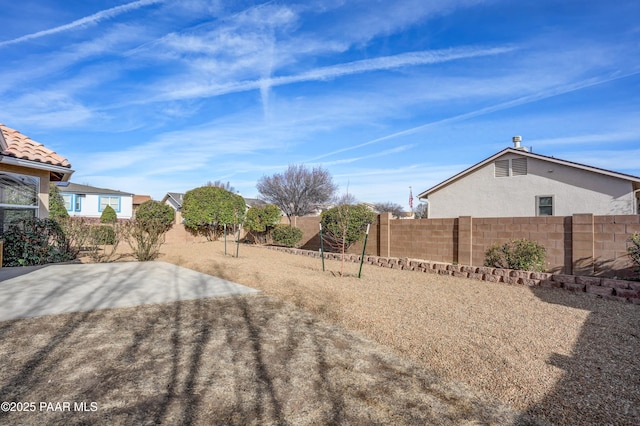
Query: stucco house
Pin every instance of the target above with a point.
(26, 168)
(89, 201)
(515, 183)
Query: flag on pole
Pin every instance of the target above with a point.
(410, 199)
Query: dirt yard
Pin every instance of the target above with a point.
(394, 347)
(562, 357)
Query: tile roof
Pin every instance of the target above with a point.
(15, 144)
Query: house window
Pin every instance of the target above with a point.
(513, 167)
(73, 202)
(106, 200)
(77, 202)
(18, 198)
(544, 205)
(68, 201)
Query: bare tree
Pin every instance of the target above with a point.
(421, 211)
(219, 184)
(298, 191)
(389, 207)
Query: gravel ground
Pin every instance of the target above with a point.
(562, 357)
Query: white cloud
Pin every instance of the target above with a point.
(84, 22)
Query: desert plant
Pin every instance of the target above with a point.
(77, 232)
(286, 235)
(103, 235)
(520, 254)
(34, 241)
(108, 215)
(104, 240)
(145, 237)
(57, 210)
(261, 219)
(633, 249)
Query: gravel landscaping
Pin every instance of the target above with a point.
(561, 357)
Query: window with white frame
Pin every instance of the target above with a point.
(68, 201)
(73, 202)
(544, 205)
(18, 198)
(107, 200)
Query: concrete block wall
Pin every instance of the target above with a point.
(610, 289)
(582, 244)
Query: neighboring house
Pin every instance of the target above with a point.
(516, 182)
(26, 168)
(89, 201)
(138, 200)
(174, 199)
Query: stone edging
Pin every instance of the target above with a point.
(611, 289)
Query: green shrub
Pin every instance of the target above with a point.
(108, 215)
(346, 223)
(103, 235)
(34, 242)
(207, 209)
(260, 220)
(57, 210)
(155, 214)
(286, 235)
(520, 254)
(634, 250)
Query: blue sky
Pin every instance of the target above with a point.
(155, 96)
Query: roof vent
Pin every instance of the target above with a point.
(516, 143)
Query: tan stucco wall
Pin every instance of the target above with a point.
(481, 194)
(43, 175)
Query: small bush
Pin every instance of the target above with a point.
(108, 215)
(634, 250)
(521, 254)
(145, 237)
(286, 235)
(35, 242)
(103, 235)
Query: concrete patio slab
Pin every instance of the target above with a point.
(54, 289)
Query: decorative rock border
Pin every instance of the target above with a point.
(611, 289)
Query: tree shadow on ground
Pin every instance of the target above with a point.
(601, 380)
(235, 360)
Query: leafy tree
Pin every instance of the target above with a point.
(57, 210)
(298, 191)
(261, 219)
(108, 215)
(389, 207)
(421, 211)
(154, 213)
(208, 208)
(346, 223)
